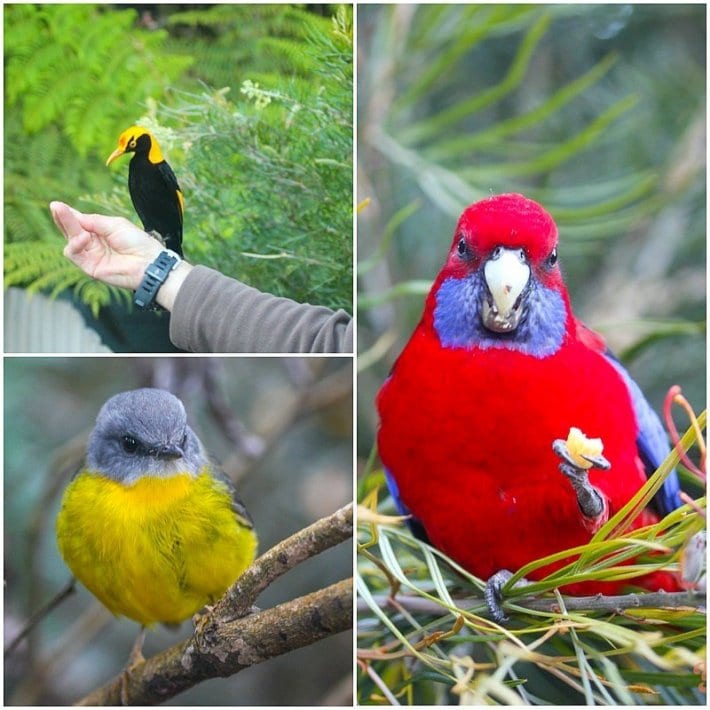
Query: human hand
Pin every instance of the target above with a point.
(113, 250)
(109, 249)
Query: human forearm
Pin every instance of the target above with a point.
(214, 313)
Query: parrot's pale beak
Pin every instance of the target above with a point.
(507, 274)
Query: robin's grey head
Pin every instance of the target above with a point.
(143, 432)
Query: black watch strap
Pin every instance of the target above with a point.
(154, 277)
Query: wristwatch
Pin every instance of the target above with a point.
(154, 277)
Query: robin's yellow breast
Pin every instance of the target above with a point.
(157, 550)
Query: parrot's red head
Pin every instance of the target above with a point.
(501, 284)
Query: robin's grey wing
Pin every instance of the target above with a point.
(237, 504)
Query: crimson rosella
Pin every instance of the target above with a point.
(497, 370)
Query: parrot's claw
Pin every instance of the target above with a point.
(590, 501)
(598, 462)
(559, 446)
(493, 594)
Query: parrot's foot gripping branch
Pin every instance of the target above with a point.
(575, 466)
(493, 594)
(591, 502)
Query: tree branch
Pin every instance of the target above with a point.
(306, 543)
(231, 647)
(226, 640)
(598, 602)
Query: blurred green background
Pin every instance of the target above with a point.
(252, 105)
(289, 450)
(596, 111)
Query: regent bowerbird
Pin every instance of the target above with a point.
(153, 187)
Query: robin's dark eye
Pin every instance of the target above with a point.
(552, 259)
(129, 444)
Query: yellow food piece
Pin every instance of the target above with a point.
(579, 445)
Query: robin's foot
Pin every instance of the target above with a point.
(135, 658)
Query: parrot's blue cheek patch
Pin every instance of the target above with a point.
(456, 315)
(457, 319)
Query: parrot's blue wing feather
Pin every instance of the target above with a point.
(652, 441)
(414, 525)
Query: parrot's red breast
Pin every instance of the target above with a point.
(496, 370)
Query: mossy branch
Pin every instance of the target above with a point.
(226, 641)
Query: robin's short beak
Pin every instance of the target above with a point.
(169, 452)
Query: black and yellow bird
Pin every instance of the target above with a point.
(153, 187)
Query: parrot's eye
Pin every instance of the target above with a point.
(462, 248)
(552, 259)
(129, 444)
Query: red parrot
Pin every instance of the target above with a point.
(497, 369)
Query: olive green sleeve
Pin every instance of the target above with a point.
(214, 313)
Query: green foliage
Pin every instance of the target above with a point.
(264, 43)
(425, 640)
(485, 136)
(267, 176)
(267, 173)
(82, 68)
(42, 266)
(39, 168)
(74, 76)
(478, 99)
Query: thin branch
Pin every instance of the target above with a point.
(312, 392)
(53, 660)
(233, 428)
(43, 611)
(598, 602)
(620, 602)
(232, 647)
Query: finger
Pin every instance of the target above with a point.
(66, 219)
(101, 224)
(76, 245)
